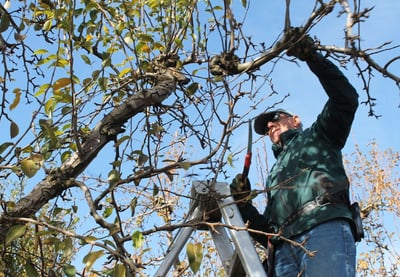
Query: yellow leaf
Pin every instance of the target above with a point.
(91, 258)
(60, 83)
(124, 72)
(89, 37)
(47, 25)
(29, 167)
(194, 252)
(17, 98)
(119, 271)
(144, 48)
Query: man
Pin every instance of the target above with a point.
(308, 190)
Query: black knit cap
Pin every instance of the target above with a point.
(260, 123)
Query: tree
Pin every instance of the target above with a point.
(128, 102)
(375, 180)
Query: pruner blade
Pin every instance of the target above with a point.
(247, 160)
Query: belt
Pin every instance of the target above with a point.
(306, 208)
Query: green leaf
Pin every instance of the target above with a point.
(103, 82)
(194, 252)
(137, 239)
(57, 211)
(191, 89)
(15, 232)
(49, 107)
(109, 242)
(65, 156)
(4, 146)
(88, 239)
(91, 258)
(146, 38)
(106, 61)
(108, 211)
(68, 247)
(69, 270)
(42, 89)
(113, 177)
(133, 205)
(30, 270)
(156, 190)
(121, 140)
(96, 74)
(51, 241)
(86, 59)
(4, 22)
(119, 271)
(47, 128)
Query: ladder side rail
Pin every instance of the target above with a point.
(242, 240)
(177, 245)
(224, 247)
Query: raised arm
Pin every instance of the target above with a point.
(335, 120)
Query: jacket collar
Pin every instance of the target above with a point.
(285, 138)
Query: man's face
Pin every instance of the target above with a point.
(281, 123)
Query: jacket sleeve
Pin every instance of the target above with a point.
(255, 221)
(334, 122)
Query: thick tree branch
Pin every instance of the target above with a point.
(60, 179)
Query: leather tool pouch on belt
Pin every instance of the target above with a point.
(358, 227)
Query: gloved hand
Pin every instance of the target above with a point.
(241, 189)
(302, 48)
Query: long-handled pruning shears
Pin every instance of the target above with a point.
(247, 160)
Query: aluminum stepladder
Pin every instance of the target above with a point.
(237, 252)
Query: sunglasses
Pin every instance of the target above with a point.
(275, 118)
